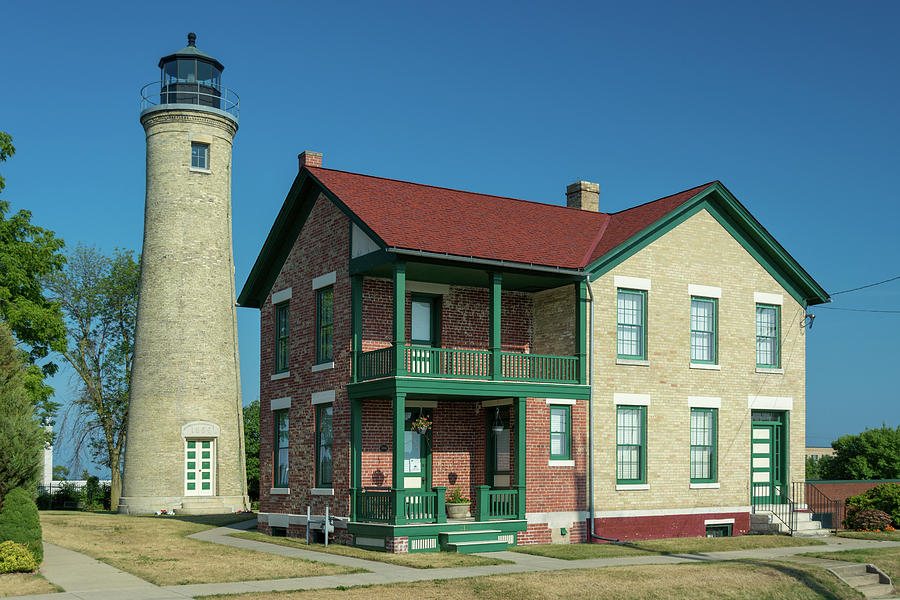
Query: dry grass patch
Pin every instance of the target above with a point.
(23, 584)
(156, 549)
(667, 546)
(881, 536)
(420, 560)
(748, 580)
(888, 559)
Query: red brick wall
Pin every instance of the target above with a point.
(322, 247)
(844, 489)
(555, 488)
(376, 432)
(665, 526)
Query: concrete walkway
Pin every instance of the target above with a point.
(84, 578)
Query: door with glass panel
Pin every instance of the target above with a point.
(767, 455)
(416, 452)
(199, 467)
(424, 332)
(498, 447)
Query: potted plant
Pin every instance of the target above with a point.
(421, 425)
(457, 505)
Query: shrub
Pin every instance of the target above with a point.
(15, 558)
(869, 519)
(20, 523)
(884, 497)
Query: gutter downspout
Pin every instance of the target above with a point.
(591, 530)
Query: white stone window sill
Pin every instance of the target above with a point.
(322, 367)
(705, 486)
(706, 367)
(633, 362)
(560, 463)
(627, 487)
(196, 170)
(322, 491)
(770, 370)
(282, 491)
(278, 376)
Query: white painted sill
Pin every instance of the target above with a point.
(196, 170)
(560, 463)
(706, 367)
(633, 362)
(322, 491)
(282, 491)
(627, 487)
(322, 367)
(770, 370)
(705, 486)
(278, 376)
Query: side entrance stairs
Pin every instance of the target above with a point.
(765, 522)
(467, 542)
(868, 579)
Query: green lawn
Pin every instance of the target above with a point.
(666, 546)
(737, 580)
(887, 559)
(420, 560)
(884, 536)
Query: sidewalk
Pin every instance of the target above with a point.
(84, 578)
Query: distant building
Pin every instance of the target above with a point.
(817, 452)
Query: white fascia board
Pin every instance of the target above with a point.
(631, 399)
(322, 397)
(704, 402)
(631, 283)
(704, 291)
(766, 298)
(770, 403)
(324, 280)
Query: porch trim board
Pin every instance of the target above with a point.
(375, 535)
(434, 387)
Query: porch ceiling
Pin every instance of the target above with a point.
(424, 388)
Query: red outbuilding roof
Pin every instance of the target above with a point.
(434, 219)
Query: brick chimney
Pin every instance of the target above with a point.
(310, 159)
(584, 195)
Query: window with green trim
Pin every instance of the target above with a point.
(282, 337)
(560, 432)
(425, 320)
(282, 441)
(631, 444)
(324, 319)
(324, 463)
(703, 330)
(631, 319)
(703, 445)
(767, 340)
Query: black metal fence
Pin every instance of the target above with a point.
(775, 499)
(825, 510)
(70, 495)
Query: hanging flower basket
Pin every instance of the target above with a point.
(421, 425)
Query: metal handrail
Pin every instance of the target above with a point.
(781, 506)
(224, 99)
(820, 505)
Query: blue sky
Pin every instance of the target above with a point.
(792, 105)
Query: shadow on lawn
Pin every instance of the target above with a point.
(211, 520)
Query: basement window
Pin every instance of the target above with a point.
(713, 531)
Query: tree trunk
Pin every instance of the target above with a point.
(115, 484)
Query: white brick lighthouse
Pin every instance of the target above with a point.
(185, 443)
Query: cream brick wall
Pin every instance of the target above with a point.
(554, 321)
(698, 251)
(185, 362)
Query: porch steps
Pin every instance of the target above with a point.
(467, 542)
(866, 578)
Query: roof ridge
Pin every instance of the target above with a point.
(696, 187)
(439, 187)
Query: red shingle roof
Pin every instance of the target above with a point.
(421, 217)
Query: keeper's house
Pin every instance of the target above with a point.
(644, 367)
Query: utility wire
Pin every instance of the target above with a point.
(867, 310)
(862, 287)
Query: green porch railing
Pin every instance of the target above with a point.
(376, 363)
(539, 367)
(376, 505)
(496, 504)
(424, 361)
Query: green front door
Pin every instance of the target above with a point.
(768, 454)
(416, 452)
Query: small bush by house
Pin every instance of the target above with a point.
(867, 519)
(20, 523)
(884, 497)
(15, 558)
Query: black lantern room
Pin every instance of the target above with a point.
(190, 76)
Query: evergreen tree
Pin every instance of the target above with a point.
(20, 522)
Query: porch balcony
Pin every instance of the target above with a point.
(424, 361)
(378, 505)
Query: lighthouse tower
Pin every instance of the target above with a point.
(185, 443)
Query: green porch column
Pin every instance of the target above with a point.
(495, 298)
(355, 454)
(356, 286)
(400, 317)
(398, 421)
(581, 333)
(521, 456)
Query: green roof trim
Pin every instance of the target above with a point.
(742, 226)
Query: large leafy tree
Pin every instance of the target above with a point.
(98, 295)
(251, 448)
(21, 436)
(873, 454)
(28, 254)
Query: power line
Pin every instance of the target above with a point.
(862, 287)
(867, 310)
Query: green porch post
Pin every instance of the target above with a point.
(521, 457)
(581, 334)
(355, 454)
(398, 422)
(496, 294)
(400, 318)
(356, 325)
(440, 504)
